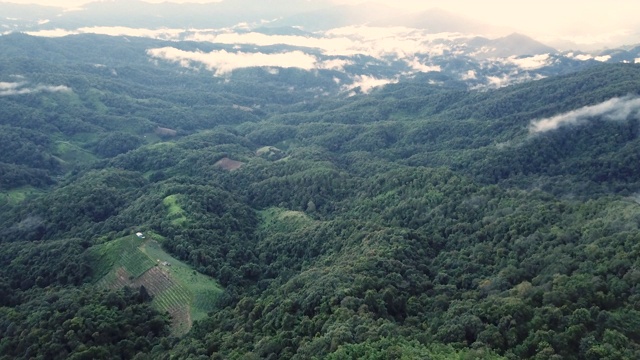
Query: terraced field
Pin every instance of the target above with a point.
(175, 287)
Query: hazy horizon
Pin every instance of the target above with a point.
(592, 23)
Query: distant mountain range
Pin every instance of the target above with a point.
(367, 41)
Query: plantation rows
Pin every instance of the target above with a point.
(175, 301)
(173, 296)
(181, 319)
(115, 279)
(156, 281)
(136, 262)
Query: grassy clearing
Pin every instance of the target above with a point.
(174, 210)
(176, 288)
(17, 195)
(279, 219)
(72, 153)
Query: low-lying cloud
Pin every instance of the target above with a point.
(505, 79)
(377, 42)
(223, 62)
(530, 62)
(416, 65)
(619, 108)
(367, 83)
(398, 42)
(21, 88)
(162, 34)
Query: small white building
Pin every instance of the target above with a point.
(140, 235)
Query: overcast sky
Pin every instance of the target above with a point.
(579, 21)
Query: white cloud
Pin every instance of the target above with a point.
(11, 89)
(335, 64)
(497, 81)
(603, 58)
(52, 33)
(330, 45)
(368, 83)
(470, 75)
(378, 42)
(416, 65)
(10, 85)
(515, 77)
(583, 57)
(530, 62)
(398, 42)
(613, 109)
(224, 62)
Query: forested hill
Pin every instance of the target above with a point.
(423, 220)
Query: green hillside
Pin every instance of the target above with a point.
(418, 221)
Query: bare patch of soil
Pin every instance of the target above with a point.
(228, 164)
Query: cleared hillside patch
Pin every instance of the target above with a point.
(17, 195)
(204, 290)
(174, 210)
(228, 164)
(72, 153)
(282, 220)
(175, 287)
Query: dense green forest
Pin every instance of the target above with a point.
(419, 221)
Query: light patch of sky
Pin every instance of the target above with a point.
(542, 15)
(576, 21)
(75, 3)
(566, 15)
